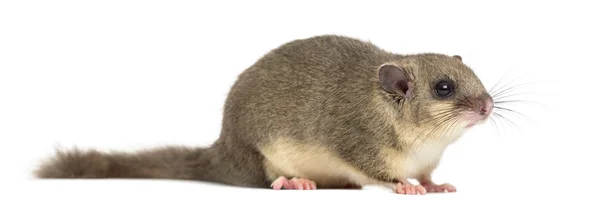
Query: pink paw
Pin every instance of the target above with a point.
(439, 188)
(293, 184)
(408, 189)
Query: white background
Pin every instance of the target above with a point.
(125, 75)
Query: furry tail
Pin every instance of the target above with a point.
(161, 163)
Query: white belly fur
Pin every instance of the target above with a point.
(287, 158)
(284, 158)
(420, 160)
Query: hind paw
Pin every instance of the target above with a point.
(293, 184)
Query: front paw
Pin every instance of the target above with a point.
(409, 189)
(435, 188)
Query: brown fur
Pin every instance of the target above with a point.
(312, 108)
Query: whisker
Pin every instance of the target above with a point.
(511, 122)
(518, 101)
(438, 119)
(468, 100)
(512, 95)
(504, 91)
(508, 115)
(447, 123)
(442, 114)
(453, 127)
(450, 128)
(510, 110)
(431, 128)
(498, 120)
(504, 76)
(494, 124)
(494, 92)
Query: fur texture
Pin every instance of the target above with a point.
(313, 108)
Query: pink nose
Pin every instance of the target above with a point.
(485, 105)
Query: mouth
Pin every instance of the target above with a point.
(473, 119)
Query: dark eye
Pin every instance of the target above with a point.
(444, 89)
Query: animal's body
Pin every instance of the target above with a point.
(328, 112)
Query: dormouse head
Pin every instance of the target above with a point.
(435, 90)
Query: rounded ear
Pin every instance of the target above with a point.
(393, 79)
(458, 57)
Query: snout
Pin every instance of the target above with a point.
(484, 105)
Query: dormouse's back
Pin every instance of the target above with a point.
(298, 81)
(315, 64)
(336, 54)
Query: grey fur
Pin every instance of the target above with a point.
(323, 90)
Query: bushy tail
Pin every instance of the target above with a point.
(161, 163)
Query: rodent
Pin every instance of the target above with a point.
(326, 111)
